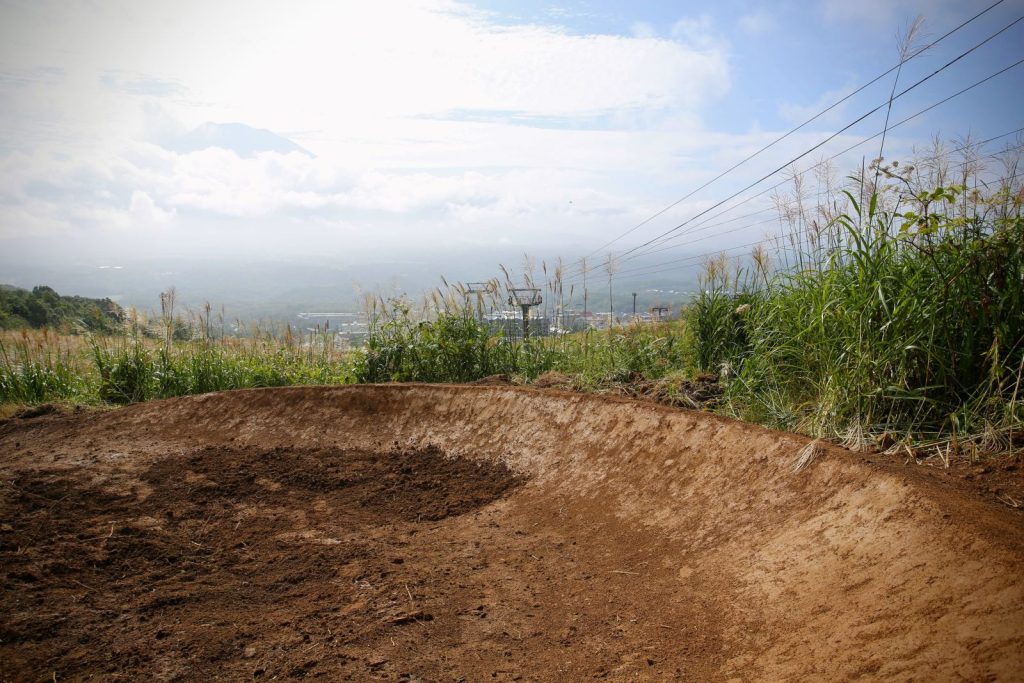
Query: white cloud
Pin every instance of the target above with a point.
(567, 184)
(642, 29)
(145, 213)
(383, 93)
(757, 23)
(798, 113)
(696, 32)
(351, 63)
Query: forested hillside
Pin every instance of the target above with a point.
(43, 307)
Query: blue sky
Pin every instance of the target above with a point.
(326, 128)
(789, 52)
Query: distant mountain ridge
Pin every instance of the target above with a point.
(243, 140)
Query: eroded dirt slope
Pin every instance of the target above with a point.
(484, 533)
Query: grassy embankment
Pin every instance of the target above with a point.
(888, 315)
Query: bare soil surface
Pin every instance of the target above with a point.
(414, 533)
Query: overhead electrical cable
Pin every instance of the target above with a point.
(576, 277)
(797, 128)
(661, 238)
(660, 241)
(673, 264)
(654, 269)
(839, 132)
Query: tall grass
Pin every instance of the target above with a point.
(902, 318)
(137, 365)
(452, 346)
(599, 358)
(132, 370)
(38, 367)
(716, 316)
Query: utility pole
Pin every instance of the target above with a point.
(610, 266)
(525, 298)
(611, 306)
(585, 268)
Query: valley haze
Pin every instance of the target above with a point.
(271, 158)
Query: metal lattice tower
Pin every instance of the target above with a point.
(477, 288)
(526, 298)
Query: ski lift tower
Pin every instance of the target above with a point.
(526, 298)
(477, 288)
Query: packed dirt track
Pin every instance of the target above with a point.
(445, 533)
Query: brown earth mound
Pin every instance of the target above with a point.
(485, 533)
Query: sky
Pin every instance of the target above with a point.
(336, 129)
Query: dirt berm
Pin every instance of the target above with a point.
(445, 533)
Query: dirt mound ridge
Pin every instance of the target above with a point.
(408, 532)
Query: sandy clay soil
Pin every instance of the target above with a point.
(488, 533)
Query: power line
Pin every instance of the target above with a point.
(661, 239)
(659, 267)
(834, 135)
(701, 226)
(790, 132)
(675, 263)
(654, 269)
(685, 243)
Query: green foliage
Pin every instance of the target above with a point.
(131, 367)
(914, 328)
(126, 371)
(649, 351)
(43, 307)
(130, 371)
(452, 348)
(718, 319)
(31, 373)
